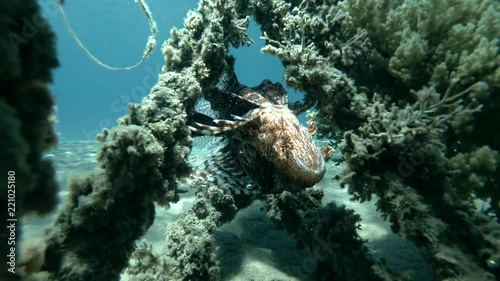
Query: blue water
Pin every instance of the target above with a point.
(90, 97)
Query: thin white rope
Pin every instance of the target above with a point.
(150, 45)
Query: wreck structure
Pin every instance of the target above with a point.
(404, 88)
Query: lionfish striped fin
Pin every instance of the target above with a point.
(273, 92)
(238, 118)
(222, 126)
(222, 100)
(222, 170)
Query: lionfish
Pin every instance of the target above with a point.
(263, 139)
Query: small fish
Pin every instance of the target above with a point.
(263, 137)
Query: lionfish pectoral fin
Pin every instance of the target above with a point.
(205, 130)
(222, 100)
(274, 92)
(221, 170)
(222, 126)
(194, 121)
(228, 125)
(238, 118)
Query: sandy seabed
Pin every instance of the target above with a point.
(250, 247)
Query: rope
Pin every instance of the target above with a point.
(149, 45)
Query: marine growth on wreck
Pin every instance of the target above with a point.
(401, 99)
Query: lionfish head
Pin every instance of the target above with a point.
(289, 146)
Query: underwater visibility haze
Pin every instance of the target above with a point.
(250, 140)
